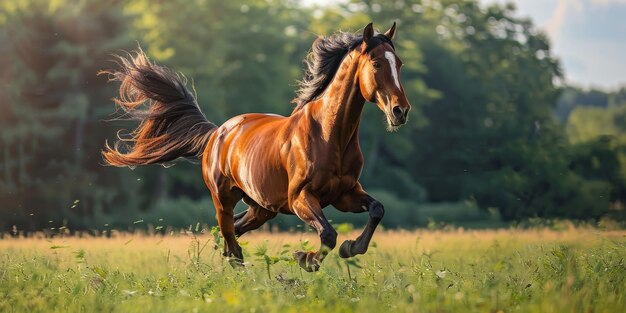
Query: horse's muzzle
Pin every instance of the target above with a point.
(399, 115)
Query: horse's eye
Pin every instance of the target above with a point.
(376, 65)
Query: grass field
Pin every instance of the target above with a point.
(573, 270)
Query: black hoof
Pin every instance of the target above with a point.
(307, 261)
(235, 262)
(345, 249)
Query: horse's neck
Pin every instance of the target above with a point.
(341, 106)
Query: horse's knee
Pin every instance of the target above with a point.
(329, 238)
(376, 210)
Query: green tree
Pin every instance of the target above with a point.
(241, 56)
(53, 108)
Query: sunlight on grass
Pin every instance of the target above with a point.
(577, 269)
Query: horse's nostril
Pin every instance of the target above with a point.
(406, 113)
(397, 112)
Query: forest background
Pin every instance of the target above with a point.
(496, 135)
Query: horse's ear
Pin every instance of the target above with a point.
(368, 32)
(391, 32)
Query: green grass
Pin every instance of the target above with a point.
(573, 270)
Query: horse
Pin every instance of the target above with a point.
(297, 164)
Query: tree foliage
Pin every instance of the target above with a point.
(487, 126)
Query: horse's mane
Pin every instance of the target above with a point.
(323, 60)
(321, 64)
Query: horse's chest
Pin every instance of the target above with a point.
(329, 185)
(331, 173)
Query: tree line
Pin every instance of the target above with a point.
(494, 134)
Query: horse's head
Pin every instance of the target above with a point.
(379, 76)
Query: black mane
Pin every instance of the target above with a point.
(323, 60)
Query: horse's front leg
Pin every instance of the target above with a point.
(358, 201)
(308, 209)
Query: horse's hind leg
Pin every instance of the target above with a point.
(358, 201)
(239, 215)
(224, 207)
(252, 218)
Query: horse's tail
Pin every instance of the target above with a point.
(171, 123)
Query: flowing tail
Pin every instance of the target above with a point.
(171, 123)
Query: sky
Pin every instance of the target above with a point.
(588, 36)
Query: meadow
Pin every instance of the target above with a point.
(576, 269)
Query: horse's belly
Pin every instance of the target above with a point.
(269, 190)
(262, 180)
(254, 162)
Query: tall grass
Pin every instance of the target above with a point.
(534, 270)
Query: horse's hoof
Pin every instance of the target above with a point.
(236, 262)
(307, 261)
(345, 249)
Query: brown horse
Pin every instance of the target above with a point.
(293, 165)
